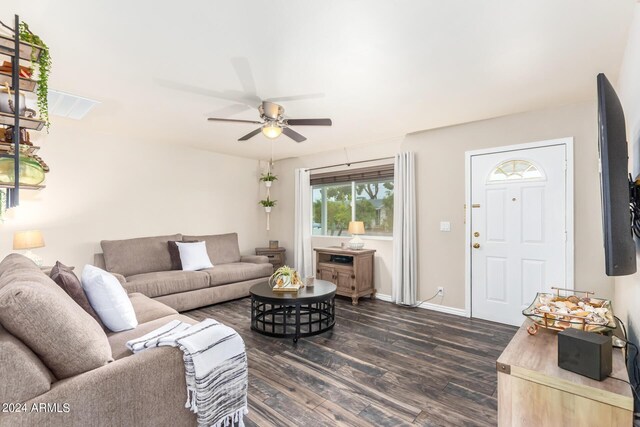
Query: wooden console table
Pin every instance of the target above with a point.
(534, 391)
(353, 279)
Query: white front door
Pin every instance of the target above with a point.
(518, 229)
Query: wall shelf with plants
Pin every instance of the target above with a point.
(20, 167)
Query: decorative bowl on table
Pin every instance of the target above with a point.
(571, 310)
(285, 279)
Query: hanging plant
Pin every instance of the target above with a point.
(44, 68)
(267, 203)
(268, 179)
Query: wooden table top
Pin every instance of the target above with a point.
(339, 251)
(535, 358)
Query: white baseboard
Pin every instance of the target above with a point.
(429, 306)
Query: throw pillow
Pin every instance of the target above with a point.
(174, 253)
(69, 282)
(108, 298)
(53, 326)
(193, 256)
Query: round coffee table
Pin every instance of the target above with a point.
(309, 311)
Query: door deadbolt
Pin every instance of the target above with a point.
(476, 234)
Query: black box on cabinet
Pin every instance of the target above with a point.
(585, 353)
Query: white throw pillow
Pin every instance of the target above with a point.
(109, 299)
(193, 256)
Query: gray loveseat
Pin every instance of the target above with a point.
(144, 265)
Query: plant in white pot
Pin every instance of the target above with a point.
(268, 179)
(267, 204)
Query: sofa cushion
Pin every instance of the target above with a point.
(14, 262)
(67, 339)
(137, 256)
(118, 341)
(69, 282)
(148, 309)
(24, 374)
(167, 282)
(222, 248)
(237, 272)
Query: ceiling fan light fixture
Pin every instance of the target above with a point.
(271, 130)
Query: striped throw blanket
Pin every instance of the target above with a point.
(215, 364)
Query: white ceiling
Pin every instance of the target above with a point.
(383, 68)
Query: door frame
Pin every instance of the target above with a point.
(569, 192)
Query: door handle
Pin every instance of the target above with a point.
(476, 245)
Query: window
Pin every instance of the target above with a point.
(333, 202)
(515, 170)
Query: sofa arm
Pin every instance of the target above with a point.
(255, 259)
(144, 389)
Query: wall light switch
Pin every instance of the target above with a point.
(445, 226)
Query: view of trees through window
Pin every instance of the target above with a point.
(333, 207)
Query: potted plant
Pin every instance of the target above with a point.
(44, 68)
(268, 179)
(267, 204)
(285, 277)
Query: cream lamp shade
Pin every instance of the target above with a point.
(356, 227)
(29, 239)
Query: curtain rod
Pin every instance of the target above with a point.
(350, 163)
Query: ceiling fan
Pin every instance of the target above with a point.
(273, 123)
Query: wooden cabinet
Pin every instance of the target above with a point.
(276, 256)
(353, 275)
(534, 391)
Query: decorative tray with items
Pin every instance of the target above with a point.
(567, 308)
(285, 279)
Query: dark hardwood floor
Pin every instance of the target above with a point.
(381, 365)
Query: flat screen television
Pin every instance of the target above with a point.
(619, 246)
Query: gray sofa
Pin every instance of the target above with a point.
(144, 265)
(125, 389)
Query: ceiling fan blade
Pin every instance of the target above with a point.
(250, 134)
(309, 122)
(229, 110)
(293, 135)
(245, 75)
(234, 96)
(216, 119)
(296, 97)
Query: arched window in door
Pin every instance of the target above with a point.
(515, 170)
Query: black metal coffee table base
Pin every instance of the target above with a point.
(292, 317)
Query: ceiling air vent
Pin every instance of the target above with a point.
(68, 105)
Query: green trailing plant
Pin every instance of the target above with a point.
(44, 68)
(267, 203)
(268, 177)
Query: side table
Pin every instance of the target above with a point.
(276, 256)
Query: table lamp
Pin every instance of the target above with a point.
(356, 228)
(27, 240)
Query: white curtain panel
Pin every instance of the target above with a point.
(302, 251)
(405, 267)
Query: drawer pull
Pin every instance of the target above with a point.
(353, 276)
(318, 271)
(353, 288)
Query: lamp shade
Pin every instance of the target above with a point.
(29, 239)
(356, 227)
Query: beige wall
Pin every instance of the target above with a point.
(112, 187)
(627, 299)
(440, 188)
(440, 185)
